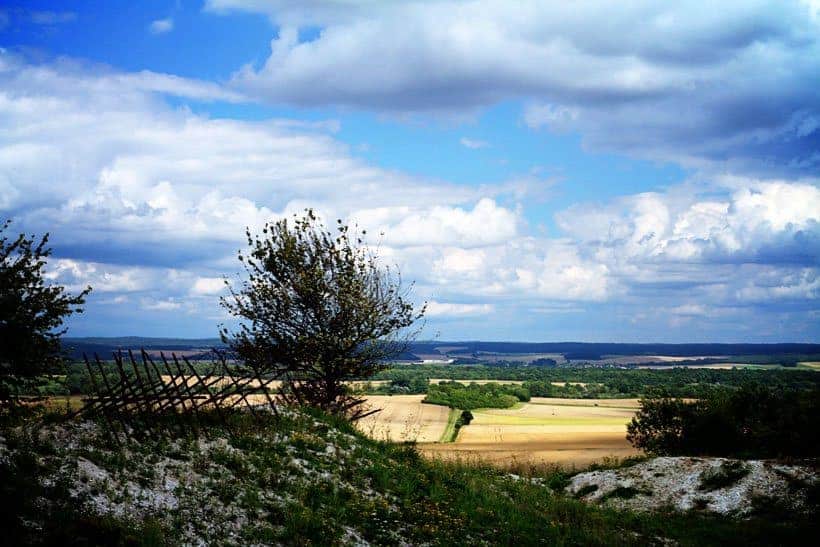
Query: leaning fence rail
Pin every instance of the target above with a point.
(134, 397)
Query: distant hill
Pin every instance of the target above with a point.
(589, 350)
(105, 347)
(572, 350)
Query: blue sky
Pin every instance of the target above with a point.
(630, 171)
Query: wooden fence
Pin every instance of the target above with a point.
(150, 397)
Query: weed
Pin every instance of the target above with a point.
(557, 482)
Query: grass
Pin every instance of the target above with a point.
(310, 479)
(450, 430)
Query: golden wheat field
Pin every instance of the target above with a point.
(404, 418)
(570, 432)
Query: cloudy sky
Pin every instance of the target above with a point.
(594, 171)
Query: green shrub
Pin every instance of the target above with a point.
(472, 396)
(753, 421)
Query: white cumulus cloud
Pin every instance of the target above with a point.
(161, 26)
(451, 309)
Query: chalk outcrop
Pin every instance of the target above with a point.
(718, 485)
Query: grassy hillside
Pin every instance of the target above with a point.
(307, 479)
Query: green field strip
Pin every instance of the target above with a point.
(450, 430)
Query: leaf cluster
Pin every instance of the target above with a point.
(472, 396)
(317, 309)
(752, 421)
(31, 313)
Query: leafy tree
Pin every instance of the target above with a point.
(661, 425)
(751, 421)
(31, 314)
(318, 309)
(472, 396)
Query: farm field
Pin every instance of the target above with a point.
(625, 404)
(404, 418)
(650, 359)
(569, 432)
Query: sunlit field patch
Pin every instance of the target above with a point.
(404, 418)
(568, 432)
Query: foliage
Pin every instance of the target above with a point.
(472, 396)
(752, 421)
(401, 383)
(318, 309)
(31, 314)
(603, 383)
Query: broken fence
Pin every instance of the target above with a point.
(138, 397)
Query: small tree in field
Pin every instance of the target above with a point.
(31, 313)
(318, 309)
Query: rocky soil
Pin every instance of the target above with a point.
(718, 485)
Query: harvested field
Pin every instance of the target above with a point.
(568, 432)
(631, 404)
(61, 402)
(404, 418)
